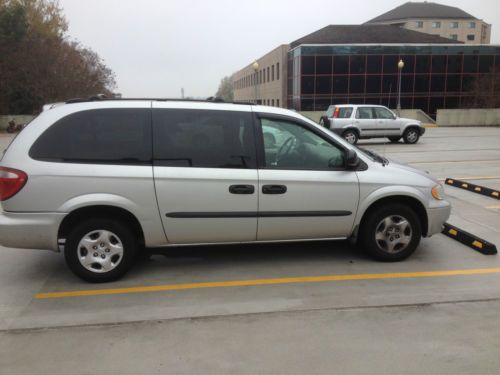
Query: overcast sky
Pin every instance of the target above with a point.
(156, 47)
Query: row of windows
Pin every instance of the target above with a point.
(183, 138)
(269, 102)
(388, 64)
(264, 75)
(421, 83)
(429, 104)
(451, 25)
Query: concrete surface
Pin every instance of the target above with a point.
(468, 117)
(431, 325)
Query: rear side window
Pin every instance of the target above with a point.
(342, 112)
(203, 138)
(111, 136)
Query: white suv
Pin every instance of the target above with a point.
(355, 122)
(104, 180)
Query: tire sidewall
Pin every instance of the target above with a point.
(369, 228)
(120, 229)
(355, 136)
(405, 135)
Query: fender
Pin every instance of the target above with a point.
(384, 192)
(99, 199)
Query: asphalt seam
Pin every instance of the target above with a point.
(251, 314)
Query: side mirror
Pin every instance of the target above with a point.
(352, 160)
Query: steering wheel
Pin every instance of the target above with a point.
(286, 148)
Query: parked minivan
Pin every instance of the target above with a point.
(103, 180)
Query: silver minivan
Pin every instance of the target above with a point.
(105, 180)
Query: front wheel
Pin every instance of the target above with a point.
(391, 232)
(100, 250)
(350, 136)
(411, 135)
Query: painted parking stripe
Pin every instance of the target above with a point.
(455, 161)
(275, 281)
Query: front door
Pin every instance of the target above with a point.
(305, 191)
(387, 125)
(205, 173)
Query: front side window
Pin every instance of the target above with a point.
(109, 136)
(364, 113)
(203, 138)
(288, 145)
(383, 113)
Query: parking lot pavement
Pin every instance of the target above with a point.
(294, 308)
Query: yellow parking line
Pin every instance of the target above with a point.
(492, 206)
(276, 281)
(473, 178)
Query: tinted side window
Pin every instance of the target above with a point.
(114, 136)
(345, 112)
(383, 113)
(364, 113)
(203, 138)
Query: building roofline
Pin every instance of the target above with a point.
(395, 44)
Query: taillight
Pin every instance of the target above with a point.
(11, 182)
(336, 113)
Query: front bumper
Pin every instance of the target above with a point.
(422, 130)
(30, 230)
(436, 217)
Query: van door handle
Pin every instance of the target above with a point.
(273, 189)
(241, 189)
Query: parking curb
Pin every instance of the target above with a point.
(468, 239)
(495, 194)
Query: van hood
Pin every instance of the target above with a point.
(403, 166)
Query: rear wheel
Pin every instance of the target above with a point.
(411, 135)
(100, 250)
(394, 139)
(351, 136)
(391, 232)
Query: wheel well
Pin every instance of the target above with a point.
(84, 213)
(353, 130)
(413, 203)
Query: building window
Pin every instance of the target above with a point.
(277, 71)
(267, 74)
(454, 36)
(453, 25)
(472, 25)
(272, 73)
(436, 25)
(277, 102)
(419, 24)
(272, 102)
(471, 36)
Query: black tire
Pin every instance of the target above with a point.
(375, 224)
(325, 122)
(351, 136)
(411, 135)
(119, 235)
(394, 139)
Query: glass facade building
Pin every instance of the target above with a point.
(434, 76)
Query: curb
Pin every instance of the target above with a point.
(495, 194)
(468, 239)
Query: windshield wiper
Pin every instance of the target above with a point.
(376, 157)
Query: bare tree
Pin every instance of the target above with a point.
(225, 90)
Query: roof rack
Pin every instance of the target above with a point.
(102, 97)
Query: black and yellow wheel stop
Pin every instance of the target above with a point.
(474, 188)
(468, 239)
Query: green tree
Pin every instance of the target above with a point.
(39, 63)
(225, 90)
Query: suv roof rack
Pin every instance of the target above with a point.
(102, 97)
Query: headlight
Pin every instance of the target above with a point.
(438, 192)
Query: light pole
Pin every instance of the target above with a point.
(255, 67)
(401, 65)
